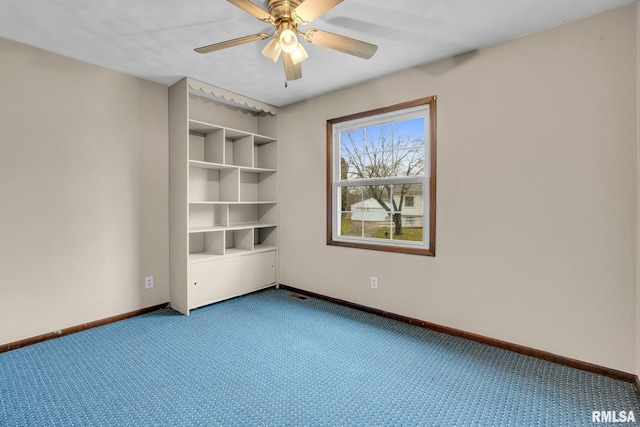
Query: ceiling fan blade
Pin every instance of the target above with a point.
(291, 71)
(253, 9)
(311, 9)
(231, 43)
(340, 43)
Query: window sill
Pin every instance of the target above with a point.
(385, 248)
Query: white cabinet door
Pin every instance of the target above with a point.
(213, 281)
(259, 270)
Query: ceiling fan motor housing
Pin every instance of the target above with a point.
(281, 9)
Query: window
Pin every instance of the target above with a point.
(408, 201)
(381, 179)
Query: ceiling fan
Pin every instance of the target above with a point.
(286, 16)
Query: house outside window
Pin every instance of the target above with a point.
(381, 179)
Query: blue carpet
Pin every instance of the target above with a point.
(266, 359)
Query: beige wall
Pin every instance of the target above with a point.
(84, 191)
(536, 199)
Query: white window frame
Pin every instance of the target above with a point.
(422, 108)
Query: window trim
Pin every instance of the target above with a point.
(431, 180)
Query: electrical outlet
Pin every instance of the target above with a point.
(148, 282)
(374, 282)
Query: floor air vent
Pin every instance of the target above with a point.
(300, 297)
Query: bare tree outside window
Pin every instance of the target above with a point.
(390, 150)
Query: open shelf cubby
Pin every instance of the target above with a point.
(206, 147)
(208, 216)
(265, 153)
(251, 214)
(207, 243)
(213, 185)
(237, 149)
(258, 186)
(238, 241)
(265, 238)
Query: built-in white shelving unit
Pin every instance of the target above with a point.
(224, 192)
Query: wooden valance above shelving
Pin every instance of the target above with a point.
(225, 96)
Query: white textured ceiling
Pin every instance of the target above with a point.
(154, 39)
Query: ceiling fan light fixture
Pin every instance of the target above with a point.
(286, 16)
(299, 54)
(288, 40)
(272, 50)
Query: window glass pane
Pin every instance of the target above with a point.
(380, 137)
(351, 206)
(379, 230)
(377, 197)
(374, 211)
(409, 133)
(379, 164)
(349, 226)
(351, 149)
(350, 198)
(378, 151)
(407, 218)
(409, 162)
(367, 153)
